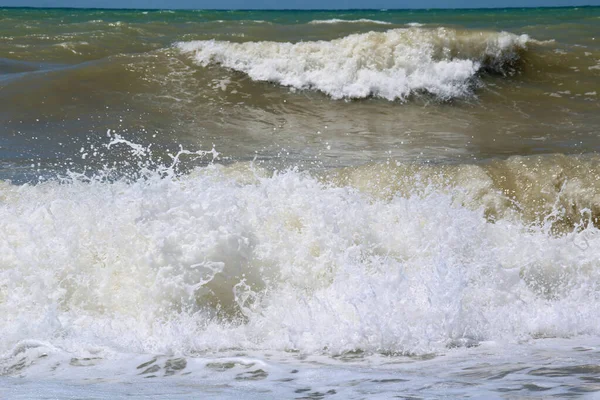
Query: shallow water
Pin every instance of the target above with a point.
(547, 368)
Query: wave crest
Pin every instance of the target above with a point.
(391, 65)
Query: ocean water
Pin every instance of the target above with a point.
(300, 204)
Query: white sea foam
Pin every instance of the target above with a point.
(72, 46)
(348, 21)
(391, 64)
(210, 279)
(238, 258)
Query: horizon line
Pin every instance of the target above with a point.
(293, 9)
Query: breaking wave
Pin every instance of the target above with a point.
(391, 65)
(237, 257)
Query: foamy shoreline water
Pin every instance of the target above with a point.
(547, 367)
(235, 258)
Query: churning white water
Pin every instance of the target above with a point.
(246, 272)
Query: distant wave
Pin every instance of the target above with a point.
(348, 21)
